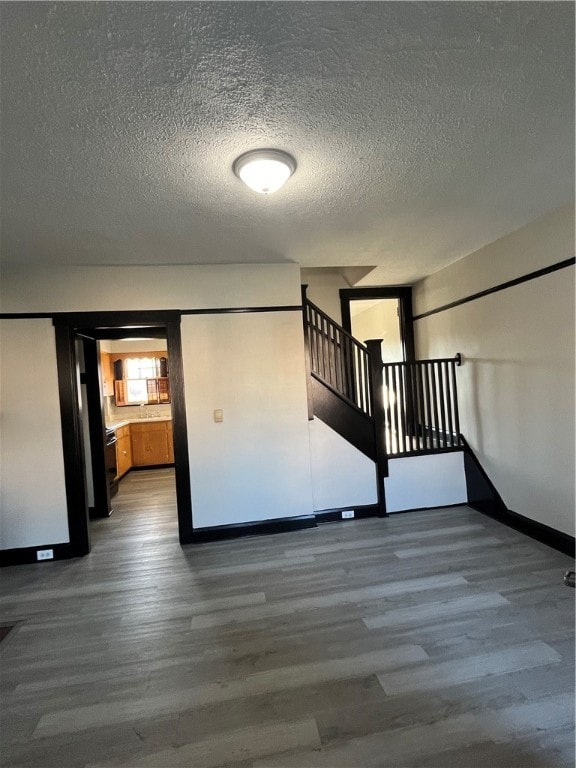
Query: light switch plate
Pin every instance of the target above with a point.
(218, 415)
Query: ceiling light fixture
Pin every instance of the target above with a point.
(264, 170)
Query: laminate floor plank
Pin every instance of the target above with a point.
(434, 638)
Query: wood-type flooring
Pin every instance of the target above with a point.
(433, 638)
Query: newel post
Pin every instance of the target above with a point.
(307, 360)
(377, 394)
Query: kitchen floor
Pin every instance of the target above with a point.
(434, 638)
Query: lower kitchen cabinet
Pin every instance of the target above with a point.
(152, 443)
(123, 450)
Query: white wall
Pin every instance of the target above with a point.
(324, 290)
(541, 243)
(85, 289)
(341, 475)
(516, 387)
(255, 465)
(32, 492)
(420, 482)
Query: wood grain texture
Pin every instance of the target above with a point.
(435, 638)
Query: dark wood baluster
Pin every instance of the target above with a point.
(429, 442)
(455, 398)
(367, 399)
(434, 374)
(396, 408)
(409, 404)
(421, 414)
(449, 408)
(351, 390)
(325, 362)
(441, 396)
(402, 398)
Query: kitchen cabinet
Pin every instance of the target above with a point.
(136, 391)
(107, 373)
(170, 439)
(123, 450)
(152, 443)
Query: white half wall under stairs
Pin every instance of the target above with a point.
(420, 482)
(341, 475)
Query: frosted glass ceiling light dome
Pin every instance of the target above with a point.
(264, 170)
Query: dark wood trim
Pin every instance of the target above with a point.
(281, 525)
(345, 400)
(255, 528)
(72, 443)
(484, 498)
(425, 452)
(144, 467)
(558, 540)
(116, 319)
(307, 358)
(242, 310)
(401, 292)
(379, 416)
(423, 509)
(26, 315)
(361, 512)
(94, 324)
(152, 332)
(350, 423)
(501, 287)
(157, 316)
(27, 555)
(97, 429)
(180, 432)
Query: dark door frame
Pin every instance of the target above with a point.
(106, 325)
(404, 296)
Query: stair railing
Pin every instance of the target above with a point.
(413, 406)
(338, 359)
(421, 406)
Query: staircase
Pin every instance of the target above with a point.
(383, 410)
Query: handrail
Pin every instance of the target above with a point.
(338, 358)
(341, 328)
(457, 360)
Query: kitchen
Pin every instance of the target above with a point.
(137, 408)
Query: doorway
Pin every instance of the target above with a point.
(381, 313)
(80, 379)
(378, 318)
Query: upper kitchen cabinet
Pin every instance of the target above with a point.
(135, 374)
(141, 379)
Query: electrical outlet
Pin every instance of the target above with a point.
(348, 515)
(44, 554)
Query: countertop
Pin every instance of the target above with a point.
(118, 424)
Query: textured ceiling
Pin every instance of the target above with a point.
(422, 131)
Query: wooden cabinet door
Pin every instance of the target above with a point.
(150, 444)
(123, 450)
(170, 442)
(107, 374)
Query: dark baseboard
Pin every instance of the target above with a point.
(280, 525)
(147, 466)
(542, 533)
(424, 509)
(484, 498)
(335, 515)
(27, 555)
(255, 528)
